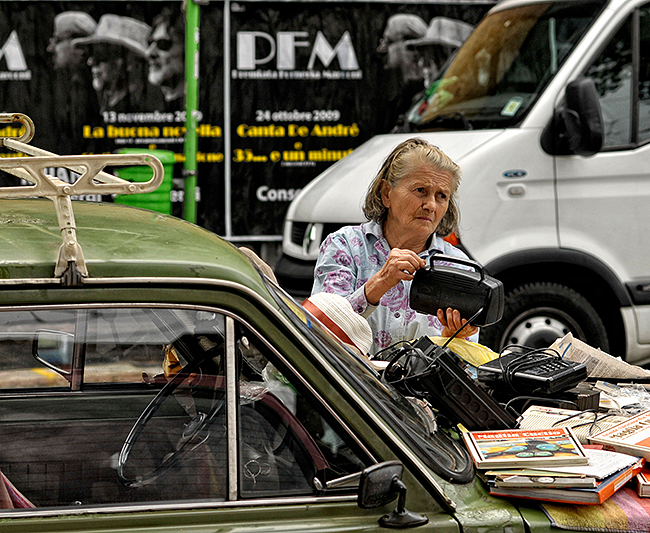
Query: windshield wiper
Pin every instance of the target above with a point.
(457, 121)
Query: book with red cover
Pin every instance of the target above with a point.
(589, 496)
(525, 448)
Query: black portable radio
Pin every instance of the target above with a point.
(439, 286)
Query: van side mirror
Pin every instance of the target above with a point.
(577, 124)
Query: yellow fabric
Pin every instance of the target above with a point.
(474, 353)
(171, 364)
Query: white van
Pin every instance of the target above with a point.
(546, 108)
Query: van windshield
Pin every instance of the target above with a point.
(503, 67)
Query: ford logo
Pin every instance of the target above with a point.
(514, 173)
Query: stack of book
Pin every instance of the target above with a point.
(631, 436)
(548, 465)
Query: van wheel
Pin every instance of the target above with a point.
(536, 314)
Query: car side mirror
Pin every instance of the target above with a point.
(577, 124)
(54, 349)
(379, 485)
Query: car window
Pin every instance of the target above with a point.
(500, 71)
(286, 438)
(139, 410)
(18, 330)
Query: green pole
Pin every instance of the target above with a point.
(191, 107)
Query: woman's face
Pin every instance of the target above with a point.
(417, 203)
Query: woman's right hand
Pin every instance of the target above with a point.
(400, 265)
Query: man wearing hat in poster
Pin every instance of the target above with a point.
(403, 76)
(443, 37)
(166, 57)
(70, 25)
(71, 84)
(116, 52)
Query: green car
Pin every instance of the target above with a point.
(153, 379)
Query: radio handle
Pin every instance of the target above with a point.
(439, 256)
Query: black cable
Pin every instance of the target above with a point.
(593, 424)
(400, 352)
(468, 323)
(527, 358)
(537, 398)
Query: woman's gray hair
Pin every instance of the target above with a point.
(406, 157)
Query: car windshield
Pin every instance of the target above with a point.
(503, 67)
(406, 417)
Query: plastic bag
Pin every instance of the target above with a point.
(472, 352)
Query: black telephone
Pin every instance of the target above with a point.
(532, 372)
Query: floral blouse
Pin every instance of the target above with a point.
(351, 256)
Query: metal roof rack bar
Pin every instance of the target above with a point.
(27, 123)
(71, 265)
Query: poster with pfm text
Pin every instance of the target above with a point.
(285, 88)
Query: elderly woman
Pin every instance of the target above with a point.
(410, 206)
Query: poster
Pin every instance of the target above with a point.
(285, 88)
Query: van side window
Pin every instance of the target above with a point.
(612, 73)
(626, 111)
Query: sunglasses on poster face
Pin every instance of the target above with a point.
(165, 45)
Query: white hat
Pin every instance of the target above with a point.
(336, 313)
(443, 31)
(124, 31)
(404, 26)
(74, 23)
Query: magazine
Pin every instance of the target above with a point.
(525, 448)
(544, 481)
(631, 436)
(583, 423)
(643, 483)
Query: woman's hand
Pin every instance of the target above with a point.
(451, 322)
(400, 265)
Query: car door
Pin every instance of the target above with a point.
(164, 416)
(603, 199)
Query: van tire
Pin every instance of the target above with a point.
(535, 314)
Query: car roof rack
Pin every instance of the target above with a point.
(31, 164)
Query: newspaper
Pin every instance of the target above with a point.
(599, 364)
(583, 423)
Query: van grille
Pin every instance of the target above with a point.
(298, 230)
